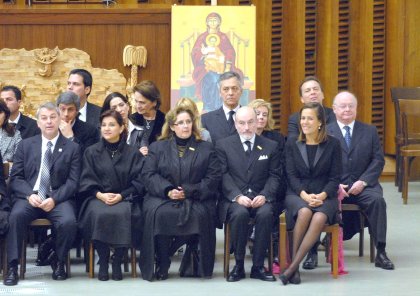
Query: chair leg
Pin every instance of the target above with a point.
(361, 234)
(372, 249)
(133, 263)
(227, 251)
(270, 255)
(68, 268)
(405, 179)
(335, 235)
(282, 245)
(125, 261)
(23, 259)
(91, 260)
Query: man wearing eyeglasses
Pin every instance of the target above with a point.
(310, 90)
(221, 122)
(363, 162)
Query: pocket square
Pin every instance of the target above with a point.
(262, 157)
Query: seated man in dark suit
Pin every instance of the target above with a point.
(251, 172)
(310, 90)
(13, 98)
(363, 162)
(72, 127)
(80, 82)
(221, 122)
(43, 182)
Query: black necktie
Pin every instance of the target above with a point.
(347, 136)
(45, 182)
(230, 120)
(248, 151)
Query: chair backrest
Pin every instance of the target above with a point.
(410, 118)
(399, 94)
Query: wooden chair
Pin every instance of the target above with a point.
(362, 217)
(410, 117)
(399, 94)
(334, 230)
(227, 250)
(37, 223)
(91, 260)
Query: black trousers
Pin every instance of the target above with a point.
(372, 202)
(62, 217)
(238, 218)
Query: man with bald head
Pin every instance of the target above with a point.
(251, 178)
(363, 161)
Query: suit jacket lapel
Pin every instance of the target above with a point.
(302, 149)
(319, 152)
(355, 136)
(222, 120)
(335, 131)
(37, 152)
(256, 151)
(58, 149)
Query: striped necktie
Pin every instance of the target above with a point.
(45, 182)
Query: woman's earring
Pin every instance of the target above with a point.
(319, 127)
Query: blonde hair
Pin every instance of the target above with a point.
(257, 103)
(189, 104)
(170, 120)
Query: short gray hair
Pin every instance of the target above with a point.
(69, 98)
(229, 75)
(48, 106)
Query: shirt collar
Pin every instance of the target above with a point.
(342, 125)
(16, 119)
(53, 141)
(252, 140)
(83, 112)
(227, 110)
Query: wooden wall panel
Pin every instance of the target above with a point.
(361, 53)
(395, 48)
(293, 55)
(327, 48)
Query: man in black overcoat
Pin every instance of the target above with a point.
(363, 162)
(250, 180)
(43, 182)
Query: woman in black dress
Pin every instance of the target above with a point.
(181, 174)
(148, 115)
(111, 188)
(313, 167)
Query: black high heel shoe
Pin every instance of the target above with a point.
(283, 278)
(295, 278)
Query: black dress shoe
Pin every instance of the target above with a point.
(12, 278)
(59, 274)
(311, 261)
(383, 261)
(161, 274)
(236, 274)
(260, 273)
(295, 278)
(116, 270)
(103, 272)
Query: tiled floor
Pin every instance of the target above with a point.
(363, 278)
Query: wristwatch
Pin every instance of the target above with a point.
(364, 183)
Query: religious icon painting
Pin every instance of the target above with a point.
(206, 42)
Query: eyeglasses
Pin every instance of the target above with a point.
(344, 106)
(234, 89)
(183, 123)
